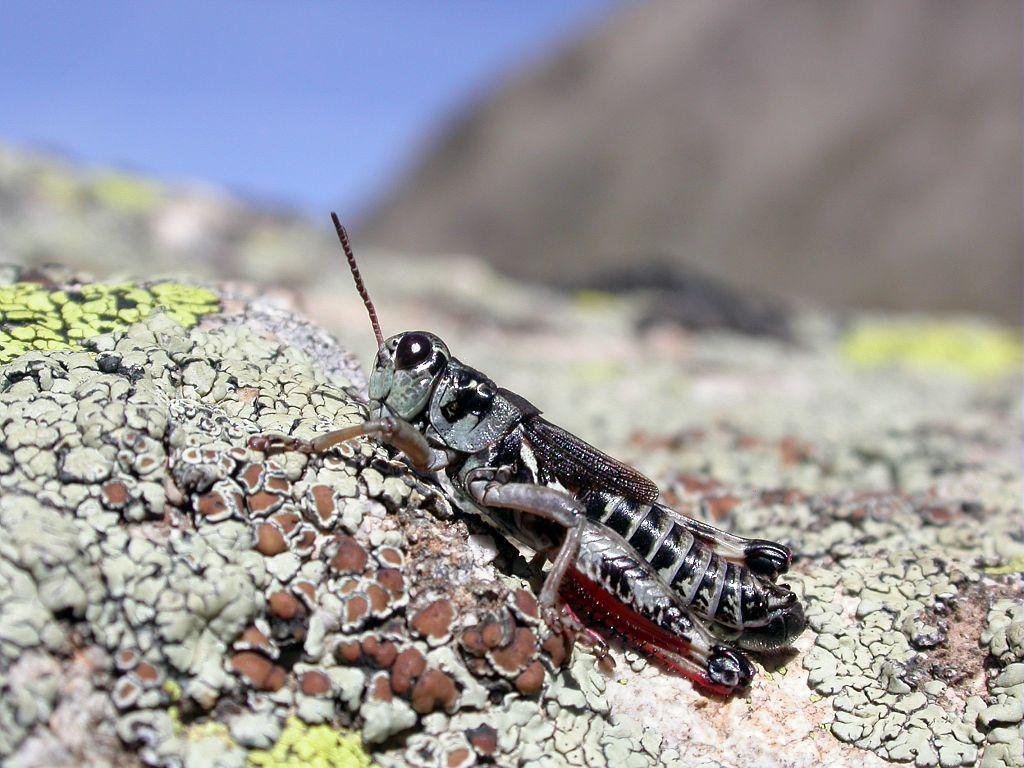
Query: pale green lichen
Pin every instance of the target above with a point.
(895, 584)
(130, 455)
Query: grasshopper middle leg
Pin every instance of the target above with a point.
(548, 504)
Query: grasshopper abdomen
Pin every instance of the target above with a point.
(761, 614)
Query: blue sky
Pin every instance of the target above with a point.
(310, 104)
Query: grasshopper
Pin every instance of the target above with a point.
(691, 595)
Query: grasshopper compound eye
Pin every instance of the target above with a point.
(414, 349)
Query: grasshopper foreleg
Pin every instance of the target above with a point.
(549, 504)
(395, 432)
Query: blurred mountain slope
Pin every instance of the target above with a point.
(857, 153)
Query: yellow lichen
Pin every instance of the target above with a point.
(200, 731)
(596, 300)
(128, 193)
(319, 746)
(36, 317)
(173, 690)
(1016, 565)
(966, 348)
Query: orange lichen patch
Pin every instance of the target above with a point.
(937, 514)
(494, 633)
(126, 659)
(557, 648)
(314, 683)
(515, 657)
(126, 693)
(275, 482)
(253, 639)
(146, 463)
(270, 540)
(285, 606)
(434, 622)
(780, 496)
(322, 497)
(147, 674)
(262, 503)
(699, 485)
(433, 688)
(306, 592)
(348, 586)
(382, 654)
(392, 581)
(472, 640)
(525, 605)
(794, 451)
(380, 687)
(483, 738)
(719, 507)
(287, 521)
(749, 441)
(220, 502)
(114, 495)
(357, 608)
(390, 557)
(408, 665)
(531, 679)
(191, 455)
(251, 477)
(349, 652)
(264, 674)
(302, 539)
(349, 557)
(379, 599)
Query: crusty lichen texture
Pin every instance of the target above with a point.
(34, 316)
(169, 596)
(167, 591)
(914, 601)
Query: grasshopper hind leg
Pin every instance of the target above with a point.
(614, 586)
(671, 637)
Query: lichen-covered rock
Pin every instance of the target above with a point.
(169, 596)
(263, 598)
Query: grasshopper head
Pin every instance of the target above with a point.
(408, 365)
(406, 372)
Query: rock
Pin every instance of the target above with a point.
(205, 578)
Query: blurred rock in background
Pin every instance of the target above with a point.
(856, 154)
(108, 222)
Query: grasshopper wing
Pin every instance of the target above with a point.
(577, 464)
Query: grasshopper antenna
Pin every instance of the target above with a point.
(363, 294)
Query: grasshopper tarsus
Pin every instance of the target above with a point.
(274, 443)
